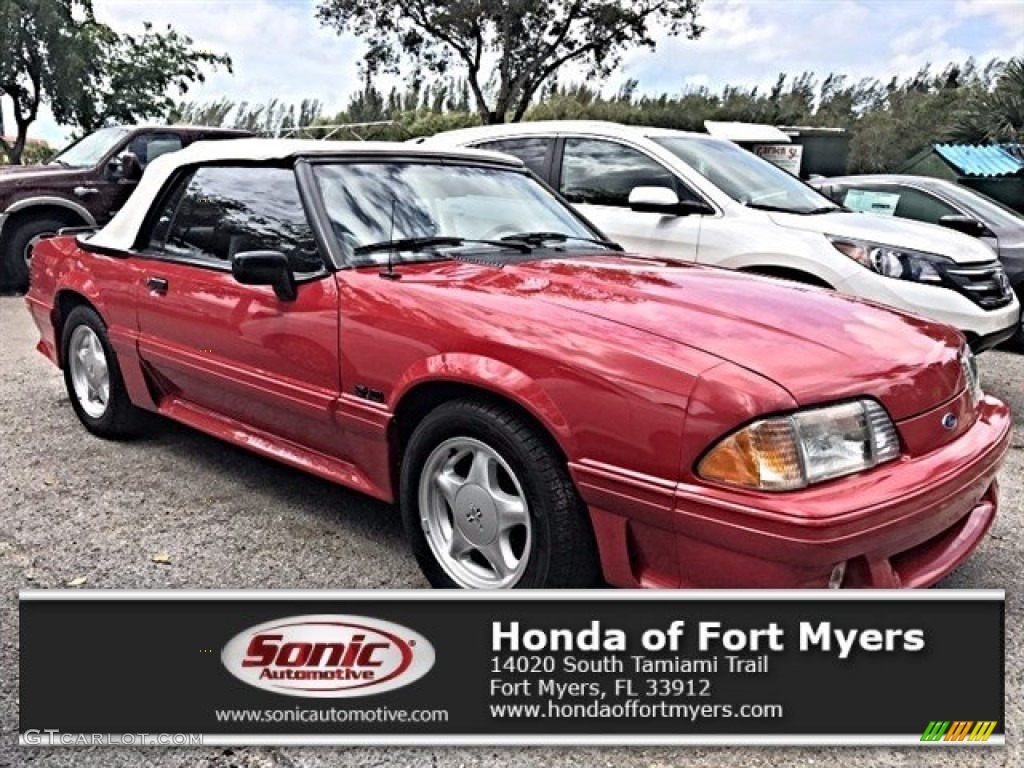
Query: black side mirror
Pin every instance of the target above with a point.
(698, 207)
(966, 224)
(265, 268)
(131, 168)
(114, 170)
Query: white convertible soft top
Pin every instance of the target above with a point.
(121, 231)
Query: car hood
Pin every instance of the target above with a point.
(818, 345)
(901, 233)
(29, 172)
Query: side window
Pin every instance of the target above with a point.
(902, 202)
(603, 173)
(921, 206)
(149, 146)
(220, 211)
(532, 150)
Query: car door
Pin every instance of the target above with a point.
(597, 175)
(239, 350)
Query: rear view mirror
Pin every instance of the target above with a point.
(265, 268)
(665, 201)
(966, 224)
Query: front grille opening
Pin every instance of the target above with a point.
(984, 284)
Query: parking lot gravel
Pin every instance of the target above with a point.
(73, 506)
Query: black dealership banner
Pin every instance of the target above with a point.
(431, 667)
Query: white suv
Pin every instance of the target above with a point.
(690, 196)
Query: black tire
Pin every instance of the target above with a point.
(120, 418)
(564, 554)
(18, 236)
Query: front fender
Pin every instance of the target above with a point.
(492, 375)
(819, 265)
(52, 201)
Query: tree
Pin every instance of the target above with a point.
(996, 114)
(44, 56)
(275, 118)
(507, 48)
(135, 75)
(54, 52)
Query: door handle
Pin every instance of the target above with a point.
(85, 191)
(157, 285)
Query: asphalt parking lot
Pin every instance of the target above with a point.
(73, 506)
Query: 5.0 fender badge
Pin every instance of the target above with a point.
(949, 421)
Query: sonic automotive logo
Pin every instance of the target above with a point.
(328, 656)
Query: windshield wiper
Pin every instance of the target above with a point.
(58, 161)
(426, 243)
(796, 211)
(539, 238)
(772, 208)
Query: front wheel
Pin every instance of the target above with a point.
(488, 503)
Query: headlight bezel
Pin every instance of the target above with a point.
(879, 438)
(914, 266)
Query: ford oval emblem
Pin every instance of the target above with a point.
(328, 656)
(949, 421)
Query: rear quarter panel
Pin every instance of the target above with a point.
(62, 270)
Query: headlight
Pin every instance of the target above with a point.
(809, 446)
(900, 263)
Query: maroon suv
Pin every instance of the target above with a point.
(84, 185)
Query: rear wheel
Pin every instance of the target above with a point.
(93, 377)
(488, 503)
(17, 251)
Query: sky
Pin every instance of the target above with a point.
(279, 49)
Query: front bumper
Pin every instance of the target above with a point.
(935, 303)
(904, 524)
(982, 343)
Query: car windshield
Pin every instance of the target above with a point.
(745, 177)
(89, 150)
(433, 206)
(990, 211)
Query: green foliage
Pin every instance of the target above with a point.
(275, 118)
(55, 52)
(36, 153)
(889, 122)
(995, 114)
(133, 77)
(506, 49)
(45, 56)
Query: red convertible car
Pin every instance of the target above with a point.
(439, 329)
